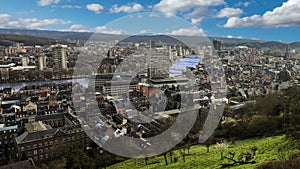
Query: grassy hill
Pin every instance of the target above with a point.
(268, 149)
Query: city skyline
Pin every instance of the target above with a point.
(264, 20)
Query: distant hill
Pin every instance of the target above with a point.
(295, 45)
(43, 33)
(84, 36)
(157, 38)
(70, 36)
(260, 45)
(10, 39)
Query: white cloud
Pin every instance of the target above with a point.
(104, 29)
(25, 12)
(229, 12)
(255, 39)
(237, 37)
(283, 16)
(6, 21)
(144, 31)
(245, 4)
(78, 28)
(33, 23)
(4, 18)
(188, 32)
(97, 8)
(197, 15)
(196, 21)
(171, 7)
(47, 2)
(70, 6)
(98, 29)
(126, 8)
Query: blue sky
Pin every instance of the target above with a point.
(277, 20)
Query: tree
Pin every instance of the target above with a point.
(171, 156)
(146, 160)
(182, 152)
(165, 157)
(208, 143)
(222, 146)
(78, 159)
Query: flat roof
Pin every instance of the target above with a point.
(168, 80)
(8, 128)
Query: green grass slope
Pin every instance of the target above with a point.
(268, 149)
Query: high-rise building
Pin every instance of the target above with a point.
(40, 62)
(59, 56)
(287, 52)
(158, 64)
(24, 61)
(152, 44)
(217, 44)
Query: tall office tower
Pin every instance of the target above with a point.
(287, 52)
(217, 44)
(40, 62)
(25, 61)
(158, 64)
(59, 56)
(180, 51)
(152, 44)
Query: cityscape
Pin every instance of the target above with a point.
(113, 97)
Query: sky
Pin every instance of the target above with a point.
(275, 20)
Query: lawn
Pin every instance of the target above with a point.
(268, 149)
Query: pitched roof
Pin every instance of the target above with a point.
(27, 164)
(27, 137)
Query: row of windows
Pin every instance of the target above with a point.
(9, 149)
(6, 137)
(14, 130)
(6, 141)
(41, 157)
(48, 143)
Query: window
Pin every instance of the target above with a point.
(35, 152)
